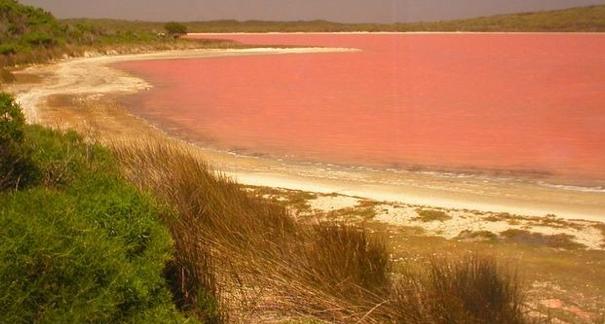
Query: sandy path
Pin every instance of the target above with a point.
(92, 76)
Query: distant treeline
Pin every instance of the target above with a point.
(582, 19)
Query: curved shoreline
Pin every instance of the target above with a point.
(93, 76)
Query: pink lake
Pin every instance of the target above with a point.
(521, 103)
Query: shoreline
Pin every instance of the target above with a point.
(93, 76)
(401, 33)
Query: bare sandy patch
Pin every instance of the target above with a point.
(329, 203)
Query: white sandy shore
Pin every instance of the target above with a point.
(93, 76)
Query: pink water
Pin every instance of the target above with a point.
(528, 103)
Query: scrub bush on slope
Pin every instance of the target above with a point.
(80, 244)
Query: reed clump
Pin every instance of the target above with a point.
(471, 290)
(258, 263)
(250, 253)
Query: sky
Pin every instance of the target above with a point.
(383, 11)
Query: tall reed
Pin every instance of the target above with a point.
(258, 264)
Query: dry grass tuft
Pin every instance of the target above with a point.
(249, 259)
(472, 290)
(250, 253)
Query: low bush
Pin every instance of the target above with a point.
(557, 241)
(175, 29)
(477, 236)
(16, 166)
(82, 245)
(430, 215)
(39, 39)
(8, 49)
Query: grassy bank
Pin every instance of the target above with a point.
(582, 19)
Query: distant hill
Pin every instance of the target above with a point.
(582, 19)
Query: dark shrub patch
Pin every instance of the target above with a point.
(16, 167)
(83, 245)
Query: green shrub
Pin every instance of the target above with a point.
(557, 241)
(7, 49)
(16, 168)
(12, 121)
(39, 39)
(62, 159)
(90, 250)
(430, 215)
(175, 29)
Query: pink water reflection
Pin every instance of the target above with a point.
(523, 102)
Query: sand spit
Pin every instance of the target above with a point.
(91, 78)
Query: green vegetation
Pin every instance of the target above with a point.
(431, 215)
(295, 200)
(78, 243)
(32, 35)
(175, 29)
(477, 236)
(16, 165)
(558, 241)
